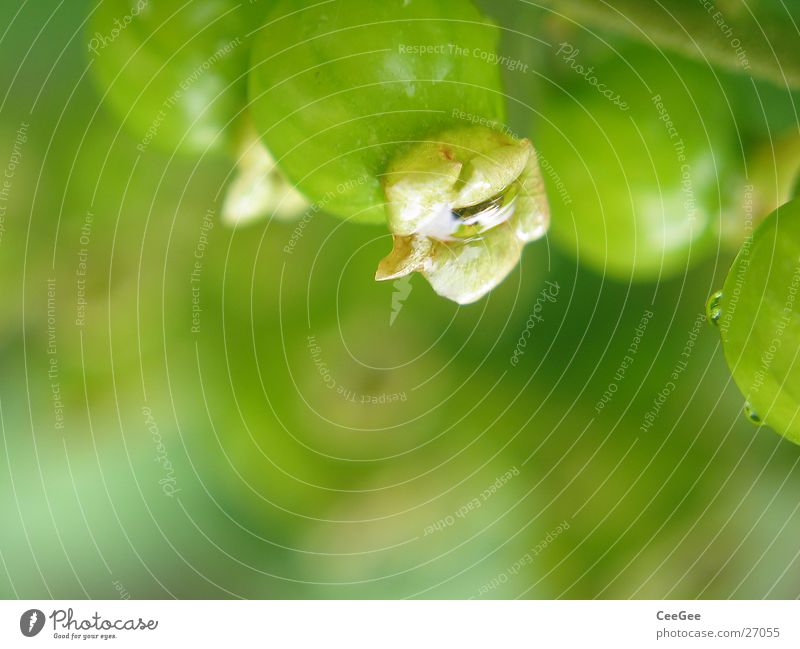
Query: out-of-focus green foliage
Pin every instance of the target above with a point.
(758, 38)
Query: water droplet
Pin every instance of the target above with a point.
(473, 220)
(751, 414)
(714, 307)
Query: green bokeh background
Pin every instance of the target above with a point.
(286, 489)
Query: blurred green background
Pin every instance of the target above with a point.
(149, 451)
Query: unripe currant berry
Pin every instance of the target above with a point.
(392, 112)
(176, 75)
(639, 152)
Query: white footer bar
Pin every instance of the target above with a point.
(388, 624)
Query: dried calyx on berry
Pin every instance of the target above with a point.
(460, 207)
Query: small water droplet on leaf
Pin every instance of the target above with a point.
(714, 308)
(751, 414)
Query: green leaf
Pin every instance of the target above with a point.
(758, 315)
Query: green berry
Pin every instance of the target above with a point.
(174, 73)
(336, 89)
(637, 161)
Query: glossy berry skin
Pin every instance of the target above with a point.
(337, 89)
(175, 73)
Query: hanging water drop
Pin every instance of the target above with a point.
(751, 414)
(714, 307)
